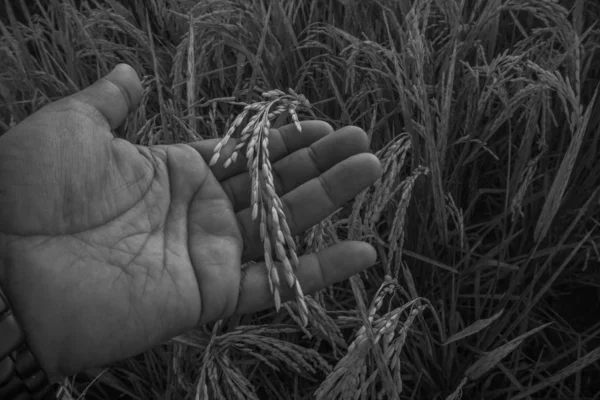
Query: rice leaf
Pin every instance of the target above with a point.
(491, 359)
(472, 329)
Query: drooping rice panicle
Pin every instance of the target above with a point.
(217, 151)
(278, 242)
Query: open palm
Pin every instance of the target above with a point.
(108, 248)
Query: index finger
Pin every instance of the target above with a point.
(282, 141)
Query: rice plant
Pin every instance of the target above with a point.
(485, 117)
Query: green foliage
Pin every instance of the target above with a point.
(486, 119)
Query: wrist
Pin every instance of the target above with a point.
(20, 374)
(23, 319)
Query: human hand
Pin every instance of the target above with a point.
(109, 248)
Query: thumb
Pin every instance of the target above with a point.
(115, 96)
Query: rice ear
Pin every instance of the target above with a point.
(265, 203)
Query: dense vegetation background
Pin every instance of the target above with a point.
(486, 119)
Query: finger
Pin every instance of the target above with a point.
(316, 199)
(282, 141)
(302, 165)
(315, 272)
(115, 96)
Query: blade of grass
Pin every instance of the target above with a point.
(584, 361)
(491, 359)
(563, 176)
